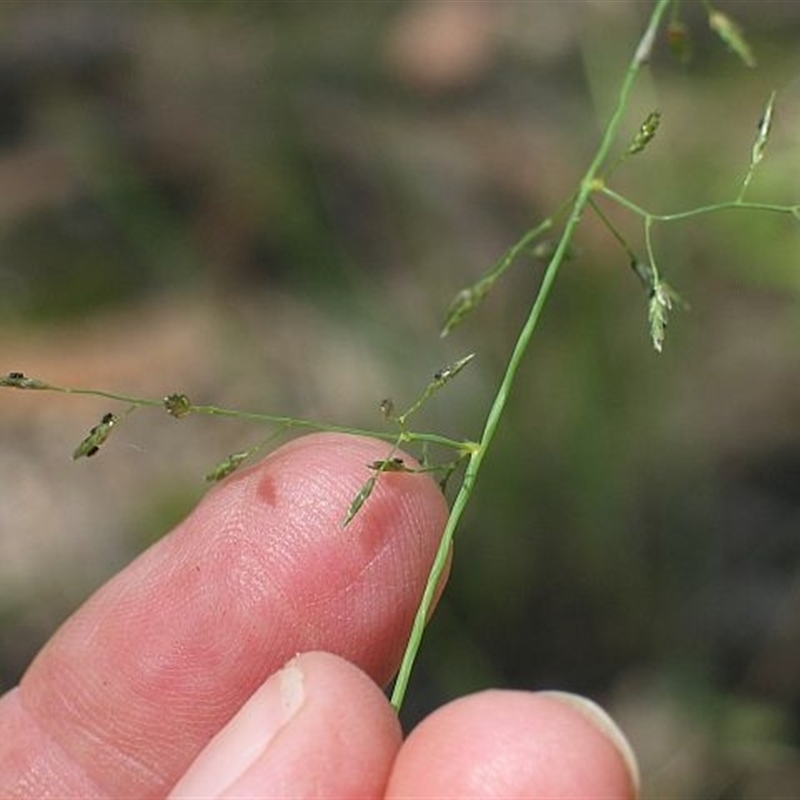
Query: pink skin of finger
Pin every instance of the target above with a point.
(317, 728)
(510, 744)
(181, 654)
(321, 728)
(135, 684)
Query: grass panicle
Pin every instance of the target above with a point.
(467, 456)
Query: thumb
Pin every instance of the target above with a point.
(319, 727)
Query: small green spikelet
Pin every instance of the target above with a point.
(760, 143)
(177, 405)
(764, 128)
(464, 303)
(389, 465)
(731, 34)
(96, 438)
(358, 501)
(18, 380)
(386, 407)
(647, 130)
(449, 372)
(658, 309)
(227, 466)
(441, 377)
(393, 464)
(661, 299)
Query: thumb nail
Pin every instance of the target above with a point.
(601, 720)
(245, 738)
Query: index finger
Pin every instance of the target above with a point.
(136, 682)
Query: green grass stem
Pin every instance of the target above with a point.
(588, 185)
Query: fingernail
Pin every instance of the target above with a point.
(598, 717)
(246, 737)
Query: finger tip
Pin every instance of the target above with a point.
(512, 744)
(349, 456)
(372, 571)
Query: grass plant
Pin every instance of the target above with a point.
(553, 237)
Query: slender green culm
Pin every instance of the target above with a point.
(661, 297)
(588, 184)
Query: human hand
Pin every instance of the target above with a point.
(172, 680)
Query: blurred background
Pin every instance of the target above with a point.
(271, 204)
